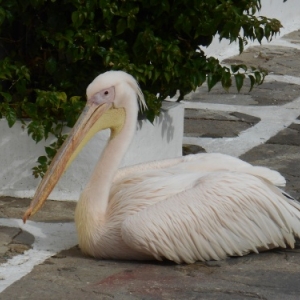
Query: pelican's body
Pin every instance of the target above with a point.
(198, 207)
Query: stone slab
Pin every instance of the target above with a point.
(271, 275)
(191, 149)
(53, 211)
(282, 153)
(293, 37)
(269, 93)
(275, 59)
(216, 124)
(288, 136)
(13, 241)
(283, 158)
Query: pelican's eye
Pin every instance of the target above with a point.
(105, 93)
(104, 96)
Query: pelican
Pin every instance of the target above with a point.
(193, 208)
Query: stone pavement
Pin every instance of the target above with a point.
(261, 127)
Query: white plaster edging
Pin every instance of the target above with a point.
(49, 238)
(18, 154)
(273, 120)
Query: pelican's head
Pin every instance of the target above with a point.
(111, 98)
(117, 88)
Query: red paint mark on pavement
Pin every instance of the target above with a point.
(153, 281)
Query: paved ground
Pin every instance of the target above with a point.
(261, 127)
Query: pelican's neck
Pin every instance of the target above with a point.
(100, 182)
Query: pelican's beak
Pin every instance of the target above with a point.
(90, 121)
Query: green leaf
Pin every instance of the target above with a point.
(194, 82)
(239, 80)
(50, 152)
(252, 82)
(2, 15)
(258, 77)
(62, 96)
(77, 18)
(75, 99)
(103, 3)
(6, 96)
(150, 115)
(30, 109)
(167, 76)
(51, 65)
(36, 3)
(226, 80)
(241, 45)
(36, 130)
(10, 116)
(131, 22)
(25, 72)
(235, 68)
(61, 44)
(121, 26)
(202, 77)
(267, 31)
(259, 32)
(21, 86)
(42, 160)
(212, 80)
(244, 67)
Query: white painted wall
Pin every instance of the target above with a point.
(18, 154)
(288, 13)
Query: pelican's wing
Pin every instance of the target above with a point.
(204, 162)
(225, 213)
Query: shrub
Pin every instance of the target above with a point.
(51, 50)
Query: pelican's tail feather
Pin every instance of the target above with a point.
(273, 176)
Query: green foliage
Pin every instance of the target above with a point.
(44, 161)
(51, 50)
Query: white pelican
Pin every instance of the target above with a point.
(199, 207)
